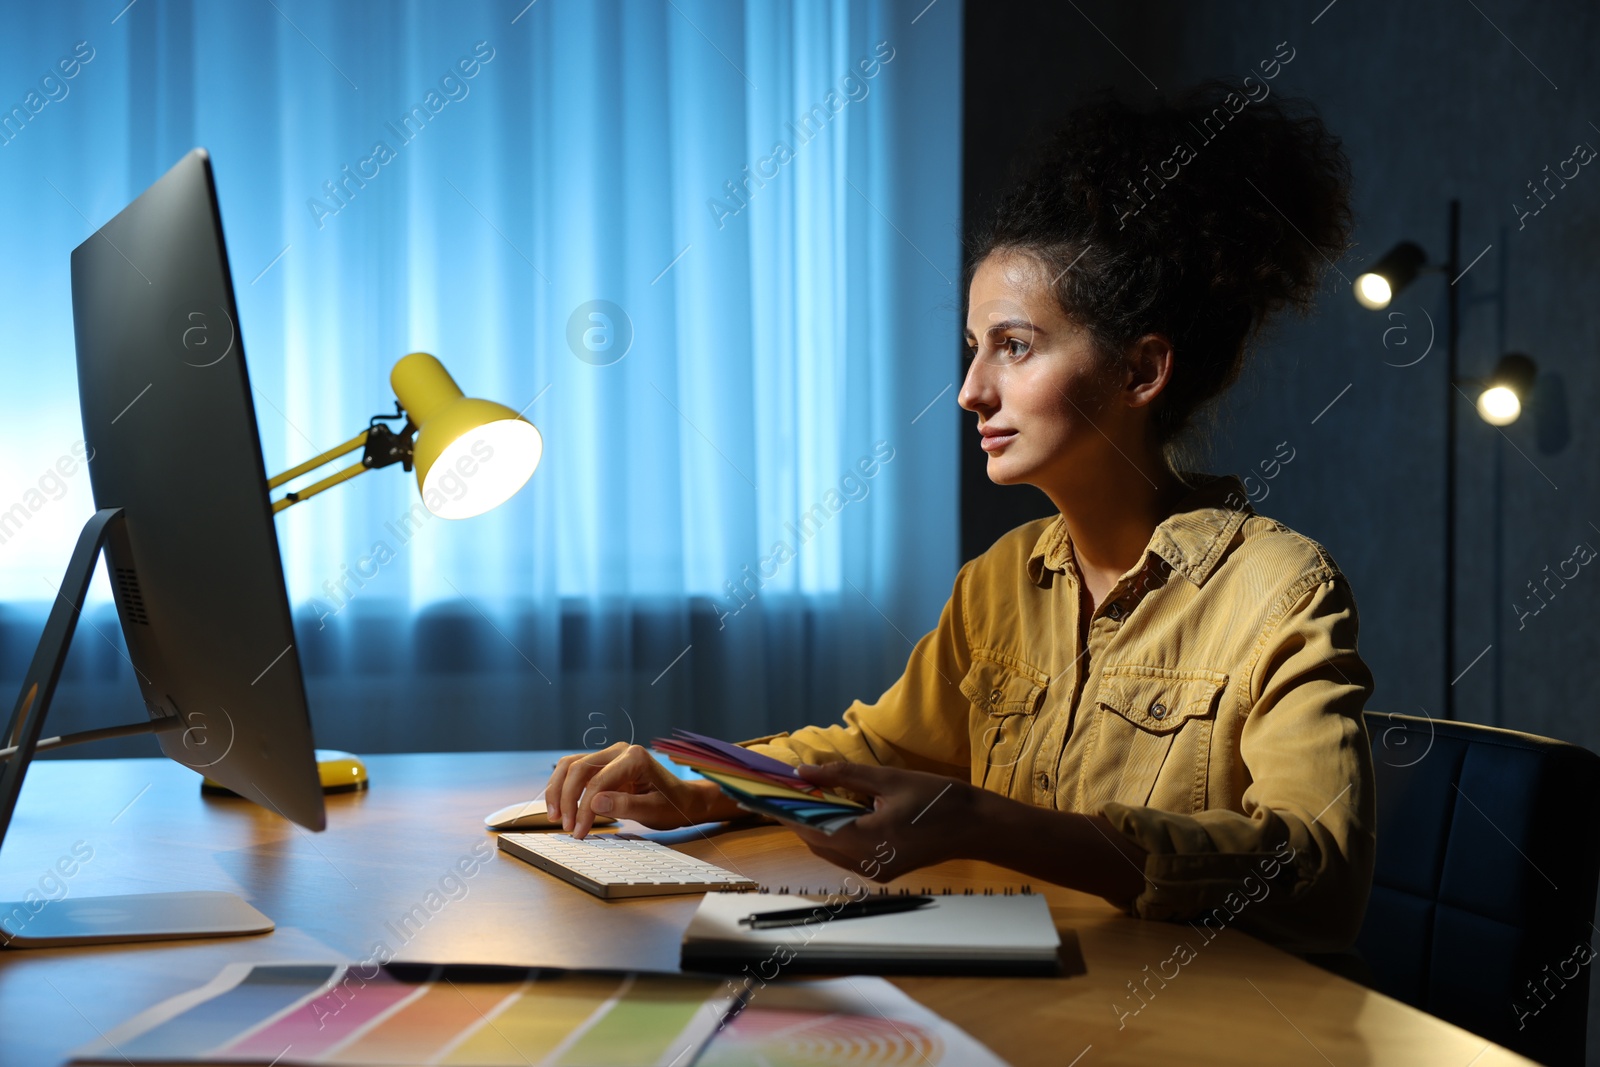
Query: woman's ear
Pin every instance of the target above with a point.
(1147, 369)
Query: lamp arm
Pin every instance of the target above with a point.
(381, 447)
(316, 487)
(312, 464)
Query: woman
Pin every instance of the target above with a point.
(1154, 696)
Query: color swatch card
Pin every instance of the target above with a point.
(760, 783)
(840, 1022)
(352, 1014)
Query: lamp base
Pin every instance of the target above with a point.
(339, 772)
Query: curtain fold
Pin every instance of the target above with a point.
(711, 249)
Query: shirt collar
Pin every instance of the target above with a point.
(1193, 539)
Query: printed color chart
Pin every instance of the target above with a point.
(327, 1014)
(312, 1014)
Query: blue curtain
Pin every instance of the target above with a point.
(710, 248)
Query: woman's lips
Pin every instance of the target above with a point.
(996, 441)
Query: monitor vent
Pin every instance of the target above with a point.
(132, 601)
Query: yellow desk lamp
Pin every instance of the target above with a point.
(485, 448)
(488, 445)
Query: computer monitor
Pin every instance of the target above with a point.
(186, 526)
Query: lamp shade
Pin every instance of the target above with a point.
(471, 455)
(1383, 281)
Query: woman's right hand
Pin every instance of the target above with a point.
(626, 782)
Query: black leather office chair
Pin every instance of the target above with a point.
(1484, 891)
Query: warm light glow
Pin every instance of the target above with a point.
(1499, 406)
(1373, 292)
(482, 469)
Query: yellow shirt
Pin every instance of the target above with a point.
(1211, 712)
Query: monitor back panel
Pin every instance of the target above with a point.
(171, 427)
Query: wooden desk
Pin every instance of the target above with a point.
(336, 895)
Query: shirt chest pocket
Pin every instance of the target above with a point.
(1006, 695)
(1153, 742)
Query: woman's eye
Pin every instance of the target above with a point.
(1007, 349)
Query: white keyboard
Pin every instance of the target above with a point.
(611, 866)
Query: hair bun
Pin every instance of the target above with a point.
(1197, 218)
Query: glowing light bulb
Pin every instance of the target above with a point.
(1499, 406)
(1373, 291)
(482, 469)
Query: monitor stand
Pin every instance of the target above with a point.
(95, 920)
(136, 917)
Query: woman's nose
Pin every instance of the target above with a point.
(977, 391)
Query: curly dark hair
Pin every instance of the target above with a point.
(1197, 218)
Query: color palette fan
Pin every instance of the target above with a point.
(760, 783)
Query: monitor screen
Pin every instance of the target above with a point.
(171, 427)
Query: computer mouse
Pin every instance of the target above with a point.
(530, 815)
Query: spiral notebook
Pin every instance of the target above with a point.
(989, 933)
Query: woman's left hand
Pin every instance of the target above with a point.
(917, 819)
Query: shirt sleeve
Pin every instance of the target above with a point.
(1294, 866)
(919, 723)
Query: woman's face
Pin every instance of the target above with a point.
(1042, 396)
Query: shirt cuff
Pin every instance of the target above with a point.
(1185, 873)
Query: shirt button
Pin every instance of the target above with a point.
(995, 695)
(1158, 711)
(1115, 610)
(1044, 780)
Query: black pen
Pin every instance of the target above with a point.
(763, 920)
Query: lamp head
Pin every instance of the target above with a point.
(1507, 389)
(471, 455)
(1384, 280)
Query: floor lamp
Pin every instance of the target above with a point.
(1498, 401)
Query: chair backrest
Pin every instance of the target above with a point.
(1484, 890)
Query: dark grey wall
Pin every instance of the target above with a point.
(1434, 101)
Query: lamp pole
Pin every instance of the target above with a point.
(1452, 331)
